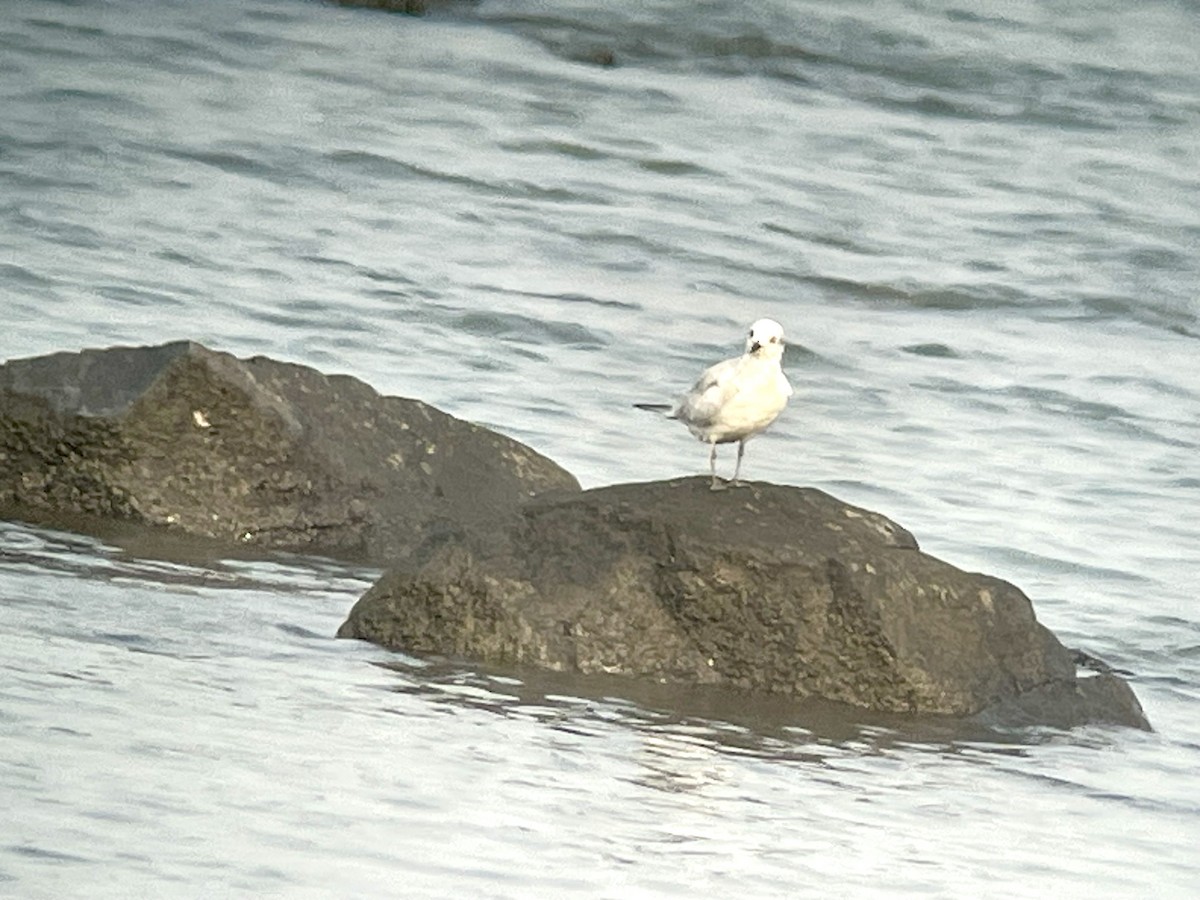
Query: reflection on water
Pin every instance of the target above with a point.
(769, 726)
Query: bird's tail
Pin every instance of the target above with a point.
(654, 407)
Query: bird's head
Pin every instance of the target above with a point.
(765, 340)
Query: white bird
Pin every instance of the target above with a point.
(735, 399)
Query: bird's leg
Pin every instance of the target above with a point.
(717, 484)
(738, 467)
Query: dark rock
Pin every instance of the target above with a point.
(771, 589)
(1087, 699)
(258, 452)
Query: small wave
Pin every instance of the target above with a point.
(569, 298)
(107, 100)
(1060, 402)
(936, 351)
(1039, 562)
(225, 160)
(527, 330)
(951, 298)
(133, 296)
(377, 166)
(568, 149)
(45, 853)
(674, 167)
(18, 276)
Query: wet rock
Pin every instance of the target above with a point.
(257, 452)
(771, 589)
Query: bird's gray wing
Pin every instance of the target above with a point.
(711, 391)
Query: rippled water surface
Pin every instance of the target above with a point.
(980, 226)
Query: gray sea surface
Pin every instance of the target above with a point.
(979, 225)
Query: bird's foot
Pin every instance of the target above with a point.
(718, 485)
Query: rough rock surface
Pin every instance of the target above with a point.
(254, 451)
(767, 588)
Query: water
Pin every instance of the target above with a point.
(980, 226)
